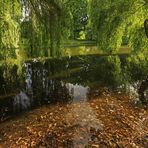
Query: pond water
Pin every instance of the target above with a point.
(67, 80)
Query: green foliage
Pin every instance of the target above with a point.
(111, 20)
(9, 25)
(10, 35)
(30, 26)
(79, 16)
(138, 40)
(39, 27)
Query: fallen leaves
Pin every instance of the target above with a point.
(101, 122)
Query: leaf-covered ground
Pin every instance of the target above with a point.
(108, 121)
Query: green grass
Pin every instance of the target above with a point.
(73, 48)
(75, 43)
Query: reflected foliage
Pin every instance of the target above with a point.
(137, 66)
(59, 80)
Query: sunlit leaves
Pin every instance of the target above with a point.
(9, 24)
(10, 37)
(111, 19)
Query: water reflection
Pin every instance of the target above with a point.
(85, 122)
(66, 80)
(28, 78)
(78, 93)
(21, 102)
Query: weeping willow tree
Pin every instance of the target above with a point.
(115, 21)
(42, 26)
(33, 26)
(37, 27)
(9, 25)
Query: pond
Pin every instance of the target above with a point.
(65, 80)
(67, 86)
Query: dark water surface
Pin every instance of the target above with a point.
(34, 83)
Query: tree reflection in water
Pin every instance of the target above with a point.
(66, 80)
(21, 102)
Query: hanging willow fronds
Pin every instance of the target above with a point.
(44, 7)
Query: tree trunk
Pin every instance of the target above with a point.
(141, 90)
(146, 27)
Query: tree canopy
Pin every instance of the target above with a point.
(115, 21)
(39, 27)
